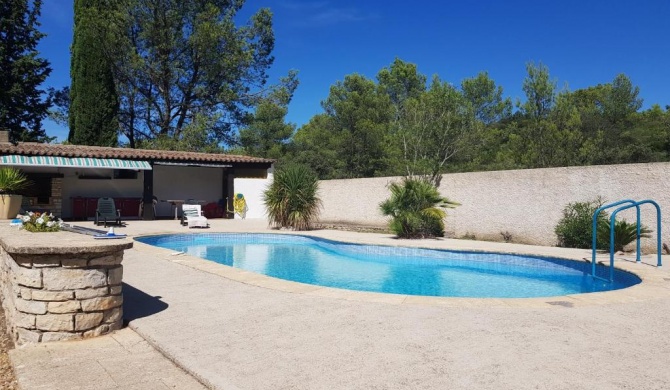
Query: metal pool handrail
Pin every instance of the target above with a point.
(658, 232)
(595, 230)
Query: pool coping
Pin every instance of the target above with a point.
(653, 284)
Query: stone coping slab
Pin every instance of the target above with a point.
(235, 335)
(16, 241)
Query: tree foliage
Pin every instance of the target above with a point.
(486, 99)
(401, 81)
(94, 104)
(399, 126)
(540, 91)
(23, 105)
(620, 100)
(396, 126)
(182, 66)
(432, 129)
(60, 109)
(318, 144)
(267, 134)
(361, 118)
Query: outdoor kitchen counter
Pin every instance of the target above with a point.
(60, 285)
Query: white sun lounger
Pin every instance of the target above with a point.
(192, 216)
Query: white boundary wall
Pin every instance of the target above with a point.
(253, 190)
(526, 203)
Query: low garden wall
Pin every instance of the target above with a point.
(60, 286)
(525, 205)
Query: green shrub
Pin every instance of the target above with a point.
(291, 200)
(416, 209)
(574, 230)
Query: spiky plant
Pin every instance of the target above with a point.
(416, 208)
(12, 180)
(624, 233)
(291, 200)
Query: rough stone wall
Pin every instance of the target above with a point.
(524, 203)
(57, 196)
(52, 297)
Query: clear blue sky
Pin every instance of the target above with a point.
(583, 43)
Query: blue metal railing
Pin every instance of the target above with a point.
(595, 232)
(630, 204)
(658, 232)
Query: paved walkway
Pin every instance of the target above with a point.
(252, 332)
(120, 361)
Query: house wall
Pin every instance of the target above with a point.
(73, 186)
(181, 183)
(170, 182)
(525, 203)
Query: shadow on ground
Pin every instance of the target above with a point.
(138, 304)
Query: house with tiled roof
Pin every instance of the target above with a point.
(68, 179)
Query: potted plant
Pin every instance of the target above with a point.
(11, 181)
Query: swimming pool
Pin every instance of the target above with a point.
(395, 270)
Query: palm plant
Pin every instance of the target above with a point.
(624, 233)
(291, 200)
(416, 208)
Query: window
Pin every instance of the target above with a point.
(125, 174)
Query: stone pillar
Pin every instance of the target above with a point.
(57, 196)
(229, 177)
(61, 296)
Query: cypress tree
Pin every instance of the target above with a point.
(94, 104)
(22, 106)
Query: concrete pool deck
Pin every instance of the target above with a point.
(233, 329)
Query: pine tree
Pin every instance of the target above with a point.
(22, 102)
(94, 103)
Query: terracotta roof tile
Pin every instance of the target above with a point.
(39, 149)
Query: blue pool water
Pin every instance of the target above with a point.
(396, 270)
